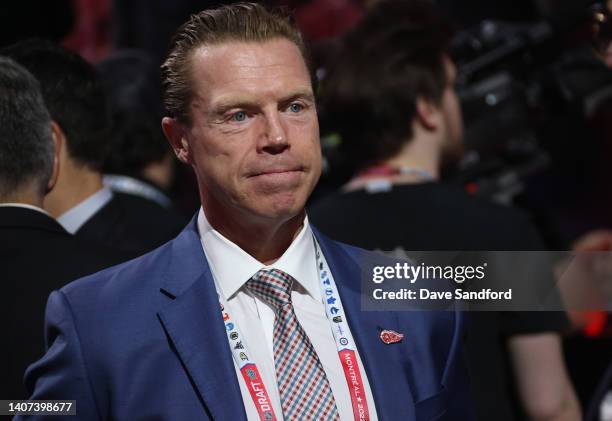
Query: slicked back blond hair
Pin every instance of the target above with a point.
(246, 22)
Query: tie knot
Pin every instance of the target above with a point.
(272, 286)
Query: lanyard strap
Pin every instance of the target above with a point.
(344, 344)
(344, 341)
(381, 178)
(248, 369)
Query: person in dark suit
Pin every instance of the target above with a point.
(37, 255)
(250, 313)
(81, 203)
(141, 161)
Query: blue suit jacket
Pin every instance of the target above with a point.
(146, 341)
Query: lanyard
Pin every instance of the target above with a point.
(380, 178)
(344, 344)
(387, 170)
(248, 369)
(344, 341)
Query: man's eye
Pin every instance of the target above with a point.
(295, 107)
(239, 116)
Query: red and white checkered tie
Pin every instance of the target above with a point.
(304, 390)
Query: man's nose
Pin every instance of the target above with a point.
(274, 140)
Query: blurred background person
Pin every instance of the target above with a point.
(37, 255)
(148, 25)
(589, 350)
(140, 161)
(390, 96)
(80, 201)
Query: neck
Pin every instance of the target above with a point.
(75, 183)
(27, 196)
(264, 239)
(161, 173)
(422, 152)
(418, 161)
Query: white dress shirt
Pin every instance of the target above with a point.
(231, 268)
(74, 219)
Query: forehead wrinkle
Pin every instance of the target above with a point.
(254, 93)
(237, 71)
(228, 101)
(271, 74)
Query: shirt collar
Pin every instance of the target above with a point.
(25, 206)
(74, 218)
(232, 267)
(130, 185)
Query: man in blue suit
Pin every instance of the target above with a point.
(249, 313)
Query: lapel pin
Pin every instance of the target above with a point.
(391, 337)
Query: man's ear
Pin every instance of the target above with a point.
(59, 141)
(428, 114)
(176, 134)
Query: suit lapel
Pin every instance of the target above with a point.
(391, 389)
(193, 323)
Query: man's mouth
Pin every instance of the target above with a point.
(276, 172)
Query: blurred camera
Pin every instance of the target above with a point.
(514, 82)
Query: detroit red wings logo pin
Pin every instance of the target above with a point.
(391, 337)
